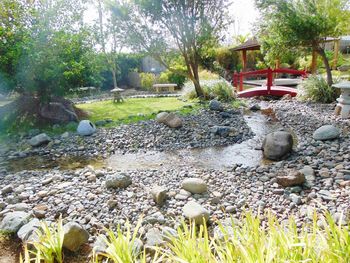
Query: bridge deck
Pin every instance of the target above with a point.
(278, 82)
(278, 91)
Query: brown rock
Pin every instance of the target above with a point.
(291, 179)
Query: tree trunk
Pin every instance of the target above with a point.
(322, 53)
(197, 86)
(114, 78)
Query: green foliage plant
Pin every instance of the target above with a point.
(316, 89)
(147, 80)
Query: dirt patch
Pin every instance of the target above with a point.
(10, 249)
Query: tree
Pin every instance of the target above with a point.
(58, 55)
(159, 26)
(14, 22)
(302, 24)
(108, 32)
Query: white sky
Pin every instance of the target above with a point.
(243, 12)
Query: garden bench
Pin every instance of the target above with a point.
(170, 87)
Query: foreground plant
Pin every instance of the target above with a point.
(123, 246)
(49, 245)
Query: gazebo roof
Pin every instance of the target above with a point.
(250, 44)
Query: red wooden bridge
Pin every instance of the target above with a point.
(270, 88)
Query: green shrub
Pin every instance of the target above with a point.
(147, 80)
(316, 89)
(220, 90)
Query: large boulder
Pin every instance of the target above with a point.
(194, 185)
(277, 145)
(326, 132)
(215, 105)
(39, 140)
(57, 112)
(293, 178)
(161, 117)
(13, 221)
(195, 212)
(86, 128)
(118, 180)
(74, 236)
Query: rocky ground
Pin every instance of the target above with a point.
(97, 198)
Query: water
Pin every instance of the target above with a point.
(247, 153)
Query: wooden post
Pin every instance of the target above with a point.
(269, 80)
(240, 81)
(244, 60)
(336, 53)
(314, 62)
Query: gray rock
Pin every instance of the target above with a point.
(215, 105)
(326, 132)
(7, 189)
(159, 194)
(195, 212)
(13, 221)
(309, 173)
(86, 128)
(157, 217)
(296, 199)
(39, 140)
(255, 107)
(169, 233)
(223, 131)
(154, 238)
(100, 245)
(293, 178)
(194, 185)
(28, 231)
(277, 145)
(161, 117)
(74, 236)
(118, 180)
(173, 121)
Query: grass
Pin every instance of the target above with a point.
(132, 109)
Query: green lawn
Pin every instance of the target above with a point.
(130, 107)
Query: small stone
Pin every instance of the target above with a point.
(292, 179)
(296, 199)
(154, 238)
(74, 236)
(230, 209)
(7, 189)
(215, 105)
(194, 185)
(39, 140)
(194, 211)
(326, 132)
(118, 180)
(159, 194)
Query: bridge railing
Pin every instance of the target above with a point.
(238, 78)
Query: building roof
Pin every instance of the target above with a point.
(250, 44)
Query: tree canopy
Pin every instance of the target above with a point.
(288, 24)
(159, 26)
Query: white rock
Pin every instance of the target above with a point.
(194, 211)
(194, 185)
(86, 128)
(13, 221)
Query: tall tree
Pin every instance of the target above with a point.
(157, 26)
(288, 24)
(109, 37)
